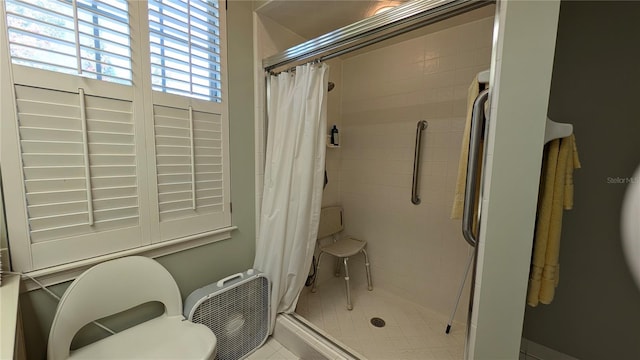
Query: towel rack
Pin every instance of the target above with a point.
(478, 126)
(483, 77)
(473, 168)
(555, 130)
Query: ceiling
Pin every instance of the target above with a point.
(312, 18)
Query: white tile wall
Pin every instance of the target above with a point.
(416, 251)
(331, 194)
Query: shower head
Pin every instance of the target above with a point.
(331, 86)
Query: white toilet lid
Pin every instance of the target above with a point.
(631, 226)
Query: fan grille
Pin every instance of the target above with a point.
(238, 317)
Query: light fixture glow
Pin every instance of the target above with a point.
(383, 9)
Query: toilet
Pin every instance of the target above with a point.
(118, 285)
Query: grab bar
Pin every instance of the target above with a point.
(422, 125)
(472, 168)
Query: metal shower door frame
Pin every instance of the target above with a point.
(397, 21)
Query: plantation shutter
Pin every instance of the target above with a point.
(90, 38)
(189, 114)
(79, 168)
(185, 48)
(117, 135)
(190, 168)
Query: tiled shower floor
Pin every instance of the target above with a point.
(411, 331)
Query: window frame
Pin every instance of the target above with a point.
(153, 97)
(154, 242)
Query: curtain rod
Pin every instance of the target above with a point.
(402, 19)
(293, 68)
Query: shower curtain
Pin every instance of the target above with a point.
(293, 180)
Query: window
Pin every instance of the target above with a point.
(99, 93)
(185, 48)
(186, 64)
(90, 39)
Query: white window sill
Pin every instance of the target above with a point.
(67, 272)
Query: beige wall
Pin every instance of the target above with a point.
(596, 309)
(200, 266)
(416, 251)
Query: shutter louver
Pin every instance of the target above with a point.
(83, 176)
(51, 139)
(177, 138)
(90, 38)
(185, 48)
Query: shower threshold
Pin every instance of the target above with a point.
(309, 342)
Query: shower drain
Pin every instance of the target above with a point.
(377, 322)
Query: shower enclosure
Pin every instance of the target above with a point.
(385, 85)
(417, 252)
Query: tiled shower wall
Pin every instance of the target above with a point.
(416, 251)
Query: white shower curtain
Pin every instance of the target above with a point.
(293, 181)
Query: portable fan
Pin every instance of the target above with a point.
(236, 309)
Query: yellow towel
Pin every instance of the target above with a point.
(458, 200)
(573, 163)
(556, 195)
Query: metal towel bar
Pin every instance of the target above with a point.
(422, 125)
(473, 168)
(478, 127)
